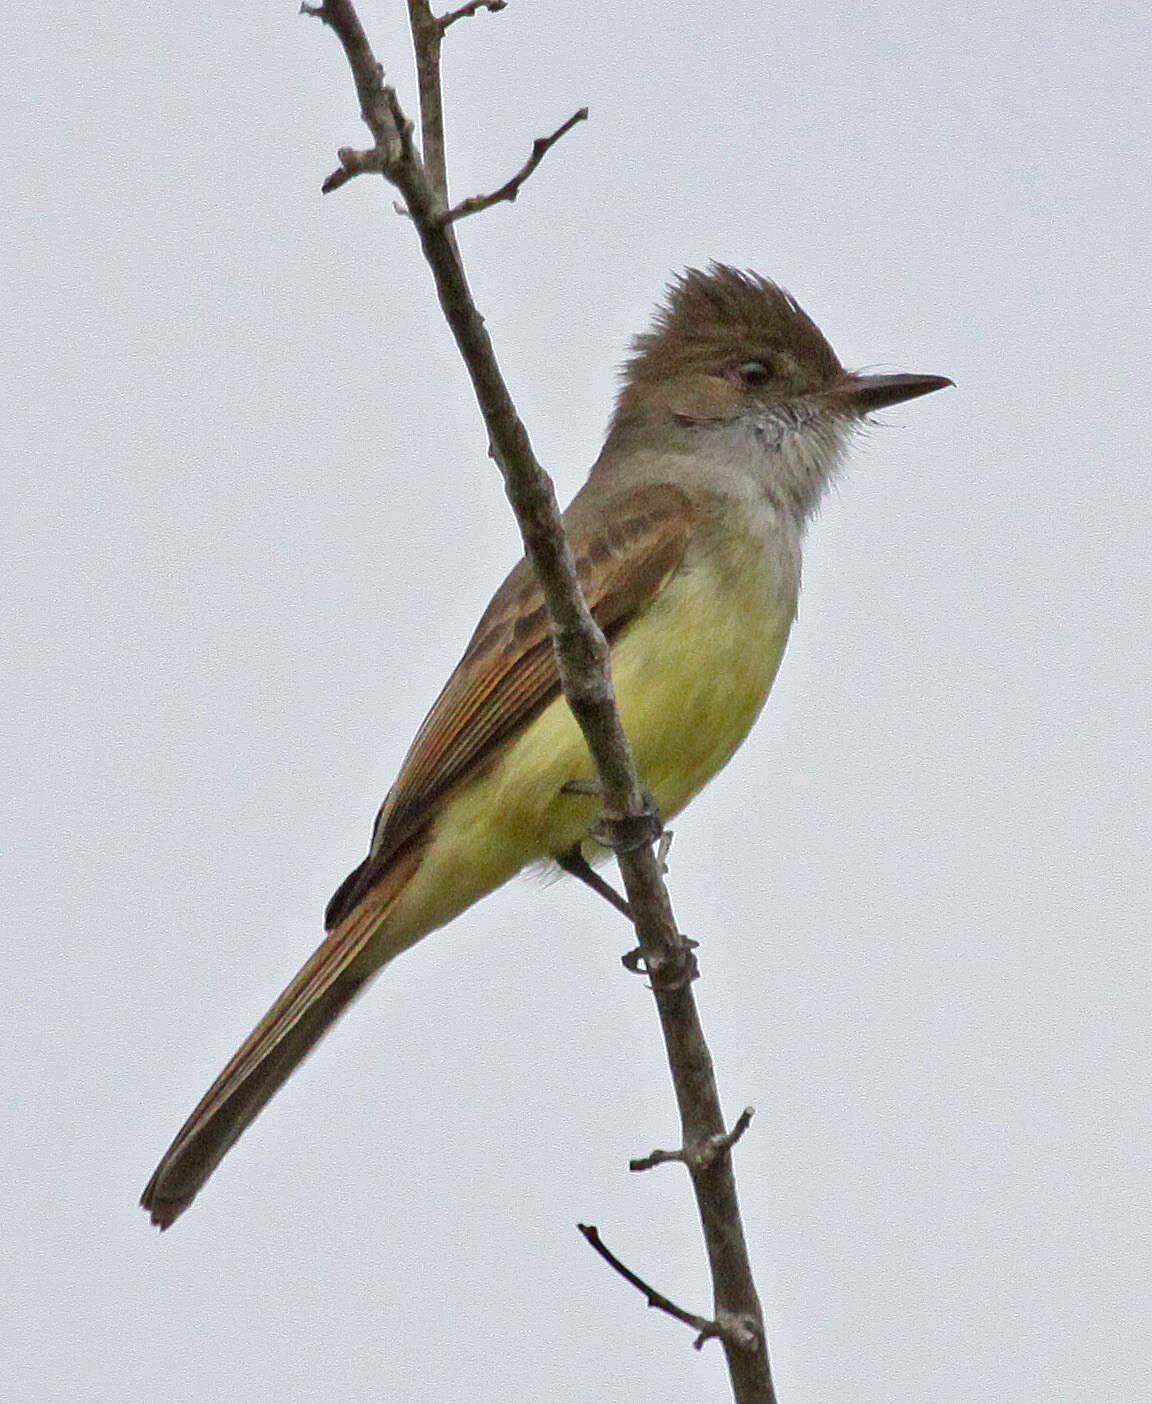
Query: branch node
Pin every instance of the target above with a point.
(511, 188)
(741, 1331)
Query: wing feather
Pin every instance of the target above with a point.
(508, 675)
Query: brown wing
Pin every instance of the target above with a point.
(507, 675)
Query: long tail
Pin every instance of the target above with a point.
(319, 994)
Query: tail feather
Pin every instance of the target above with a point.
(319, 994)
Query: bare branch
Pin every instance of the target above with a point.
(582, 657)
(707, 1329)
(427, 34)
(510, 189)
(467, 11)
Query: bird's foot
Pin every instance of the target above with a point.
(674, 972)
(631, 831)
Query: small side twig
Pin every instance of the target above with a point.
(467, 11)
(706, 1329)
(352, 163)
(702, 1156)
(511, 188)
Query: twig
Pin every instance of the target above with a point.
(352, 163)
(466, 11)
(703, 1155)
(511, 188)
(707, 1329)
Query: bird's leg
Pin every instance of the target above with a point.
(646, 828)
(575, 863)
(640, 829)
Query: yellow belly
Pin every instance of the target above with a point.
(691, 675)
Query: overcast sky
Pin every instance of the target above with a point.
(249, 524)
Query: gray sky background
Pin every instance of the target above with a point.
(249, 524)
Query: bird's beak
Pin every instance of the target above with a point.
(858, 394)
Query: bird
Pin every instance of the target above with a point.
(732, 417)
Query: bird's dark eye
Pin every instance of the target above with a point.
(753, 373)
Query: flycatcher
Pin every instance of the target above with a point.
(732, 416)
